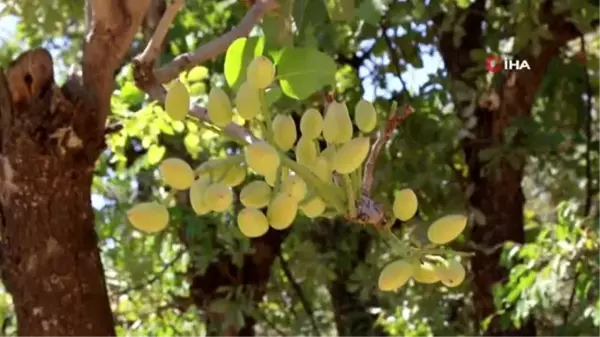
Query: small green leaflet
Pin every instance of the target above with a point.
(155, 154)
(340, 10)
(303, 71)
(239, 54)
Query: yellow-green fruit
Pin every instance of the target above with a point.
(262, 158)
(313, 207)
(256, 194)
(218, 196)
(282, 211)
(351, 155)
(177, 101)
(260, 72)
(306, 151)
(405, 204)
(322, 169)
(197, 196)
(395, 275)
(294, 186)
(451, 273)
(446, 229)
(365, 116)
(425, 273)
(176, 173)
(328, 154)
(247, 101)
(271, 177)
(337, 125)
(311, 124)
(231, 176)
(219, 107)
(252, 222)
(149, 217)
(284, 131)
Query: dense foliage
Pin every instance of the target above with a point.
(325, 279)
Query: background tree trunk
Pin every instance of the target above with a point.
(497, 195)
(50, 260)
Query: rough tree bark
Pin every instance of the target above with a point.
(497, 194)
(51, 264)
(51, 138)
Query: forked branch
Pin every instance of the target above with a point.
(111, 30)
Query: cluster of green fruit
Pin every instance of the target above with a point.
(317, 183)
(428, 268)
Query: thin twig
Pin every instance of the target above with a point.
(588, 133)
(270, 323)
(217, 46)
(152, 51)
(395, 59)
(154, 278)
(588, 174)
(385, 133)
(382, 137)
(305, 303)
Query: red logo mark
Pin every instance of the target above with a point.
(494, 63)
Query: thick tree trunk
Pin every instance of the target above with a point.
(50, 260)
(497, 196)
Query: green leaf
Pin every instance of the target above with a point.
(273, 95)
(197, 73)
(241, 52)
(219, 305)
(308, 13)
(278, 28)
(478, 54)
(155, 154)
(340, 10)
(370, 11)
(130, 94)
(303, 71)
(463, 3)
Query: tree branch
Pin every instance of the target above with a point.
(305, 303)
(111, 31)
(152, 50)
(154, 278)
(588, 133)
(215, 47)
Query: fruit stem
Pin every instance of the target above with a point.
(358, 181)
(440, 251)
(351, 198)
(213, 164)
(389, 222)
(267, 115)
(277, 184)
(215, 129)
(325, 191)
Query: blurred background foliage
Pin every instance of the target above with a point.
(324, 279)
